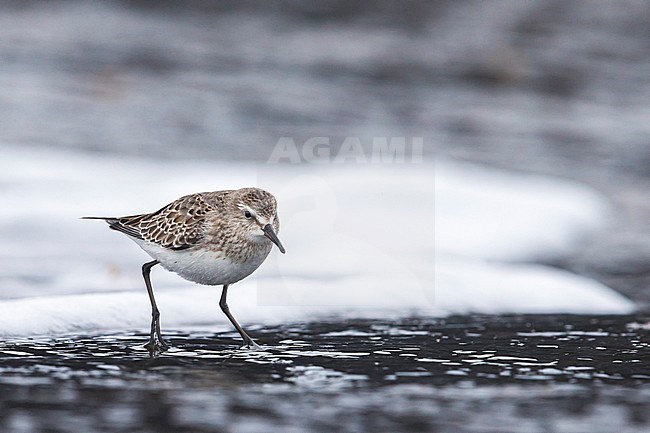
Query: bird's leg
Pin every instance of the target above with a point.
(156, 343)
(248, 341)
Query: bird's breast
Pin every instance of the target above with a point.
(206, 265)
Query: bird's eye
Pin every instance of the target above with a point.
(248, 215)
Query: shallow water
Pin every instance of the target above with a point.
(416, 374)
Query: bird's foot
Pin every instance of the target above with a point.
(156, 346)
(249, 344)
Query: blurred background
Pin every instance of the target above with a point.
(549, 87)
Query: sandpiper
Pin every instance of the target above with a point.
(212, 238)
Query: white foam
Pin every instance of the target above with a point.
(491, 215)
(359, 239)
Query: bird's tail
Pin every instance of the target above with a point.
(109, 220)
(120, 225)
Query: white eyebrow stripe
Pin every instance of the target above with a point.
(252, 211)
(245, 207)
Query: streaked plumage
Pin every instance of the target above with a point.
(212, 238)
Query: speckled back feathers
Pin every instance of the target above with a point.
(198, 218)
(177, 226)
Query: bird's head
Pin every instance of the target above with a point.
(256, 212)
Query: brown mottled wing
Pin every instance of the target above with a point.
(177, 226)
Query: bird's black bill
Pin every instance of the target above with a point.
(270, 233)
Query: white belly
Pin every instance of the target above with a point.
(202, 266)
